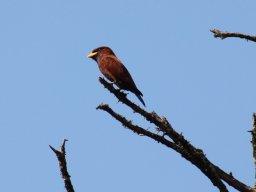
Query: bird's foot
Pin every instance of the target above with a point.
(121, 91)
(112, 83)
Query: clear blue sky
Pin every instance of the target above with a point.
(49, 91)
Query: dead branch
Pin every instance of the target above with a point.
(177, 141)
(253, 132)
(61, 156)
(221, 34)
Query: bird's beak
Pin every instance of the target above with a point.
(91, 55)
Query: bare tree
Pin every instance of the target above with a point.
(169, 137)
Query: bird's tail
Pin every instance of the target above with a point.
(139, 95)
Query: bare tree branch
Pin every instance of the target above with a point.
(141, 131)
(232, 181)
(208, 172)
(61, 156)
(221, 34)
(178, 142)
(253, 132)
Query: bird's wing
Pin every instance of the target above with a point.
(113, 69)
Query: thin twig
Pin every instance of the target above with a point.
(221, 34)
(61, 156)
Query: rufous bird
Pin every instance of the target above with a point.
(113, 69)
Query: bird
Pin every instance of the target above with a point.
(113, 69)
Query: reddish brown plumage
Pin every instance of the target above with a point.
(112, 68)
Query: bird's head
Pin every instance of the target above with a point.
(99, 52)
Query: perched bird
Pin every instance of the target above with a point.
(112, 68)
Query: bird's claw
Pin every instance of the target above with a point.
(121, 91)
